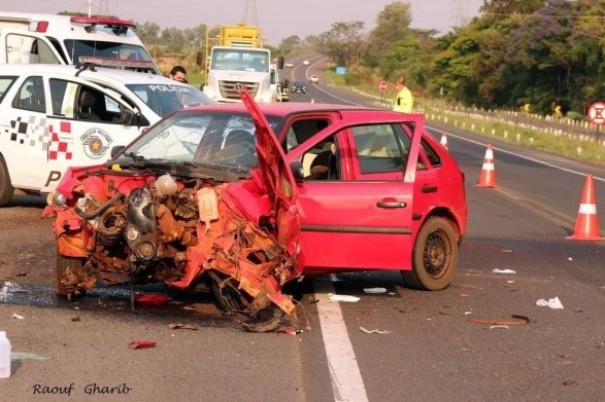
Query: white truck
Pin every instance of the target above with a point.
(27, 38)
(235, 58)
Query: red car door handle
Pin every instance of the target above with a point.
(429, 189)
(391, 204)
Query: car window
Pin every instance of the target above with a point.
(431, 154)
(379, 149)
(5, 84)
(322, 161)
(31, 95)
(301, 130)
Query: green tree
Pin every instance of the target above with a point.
(290, 45)
(344, 43)
(392, 25)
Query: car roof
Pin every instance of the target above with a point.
(99, 73)
(298, 82)
(283, 109)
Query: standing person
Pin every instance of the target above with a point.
(178, 73)
(404, 100)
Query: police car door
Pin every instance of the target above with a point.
(86, 122)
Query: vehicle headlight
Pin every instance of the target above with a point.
(56, 198)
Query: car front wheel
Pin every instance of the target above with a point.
(435, 256)
(6, 188)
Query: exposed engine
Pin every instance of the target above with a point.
(179, 233)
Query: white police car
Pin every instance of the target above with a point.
(56, 116)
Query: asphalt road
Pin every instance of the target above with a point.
(426, 350)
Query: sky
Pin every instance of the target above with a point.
(278, 19)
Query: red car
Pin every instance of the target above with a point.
(242, 198)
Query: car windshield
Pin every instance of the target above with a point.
(224, 141)
(166, 98)
(299, 84)
(240, 59)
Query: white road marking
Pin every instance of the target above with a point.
(347, 383)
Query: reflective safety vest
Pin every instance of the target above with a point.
(404, 101)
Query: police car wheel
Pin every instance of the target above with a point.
(6, 188)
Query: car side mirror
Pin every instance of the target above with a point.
(297, 171)
(116, 150)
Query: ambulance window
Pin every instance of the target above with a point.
(5, 84)
(31, 95)
(22, 49)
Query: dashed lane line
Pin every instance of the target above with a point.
(347, 383)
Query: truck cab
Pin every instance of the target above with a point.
(29, 38)
(235, 58)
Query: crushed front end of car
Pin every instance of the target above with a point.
(184, 225)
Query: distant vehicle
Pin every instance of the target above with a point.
(238, 199)
(306, 62)
(289, 65)
(299, 87)
(56, 116)
(314, 78)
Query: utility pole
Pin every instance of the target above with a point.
(250, 16)
(459, 16)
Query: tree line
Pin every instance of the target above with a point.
(547, 55)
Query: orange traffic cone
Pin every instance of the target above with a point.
(488, 172)
(443, 141)
(587, 223)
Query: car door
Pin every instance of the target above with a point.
(85, 122)
(23, 123)
(361, 218)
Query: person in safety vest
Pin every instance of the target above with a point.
(404, 99)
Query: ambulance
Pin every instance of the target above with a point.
(29, 38)
(56, 116)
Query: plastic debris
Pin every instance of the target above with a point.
(290, 330)
(182, 326)
(499, 327)
(504, 271)
(553, 303)
(27, 356)
(375, 290)
(375, 331)
(141, 344)
(344, 298)
(151, 299)
(18, 316)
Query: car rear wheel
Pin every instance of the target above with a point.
(6, 188)
(435, 256)
(63, 264)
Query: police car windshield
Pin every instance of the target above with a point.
(166, 98)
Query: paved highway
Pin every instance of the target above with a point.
(421, 345)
